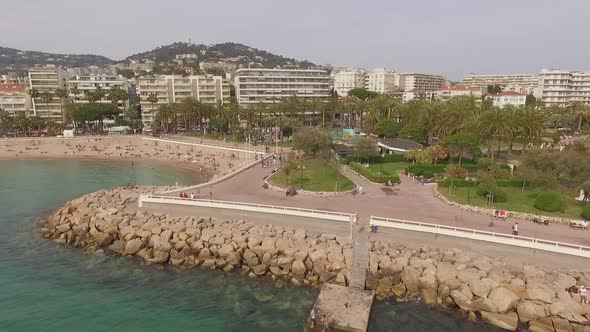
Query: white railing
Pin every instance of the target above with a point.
(473, 234)
(261, 208)
(205, 145)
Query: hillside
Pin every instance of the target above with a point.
(17, 60)
(229, 52)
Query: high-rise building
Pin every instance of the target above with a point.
(79, 86)
(381, 80)
(15, 100)
(46, 81)
(522, 83)
(348, 79)
(172, 88)
(255, 86)
(421, 82)
(13, 79)
(561, 87)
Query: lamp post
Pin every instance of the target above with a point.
(382, 160)
(301, 167)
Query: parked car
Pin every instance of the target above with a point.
(582, 224)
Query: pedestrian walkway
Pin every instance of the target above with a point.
(360, 258)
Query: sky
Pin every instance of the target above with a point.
(448, 37)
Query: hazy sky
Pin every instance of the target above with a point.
(450, 37)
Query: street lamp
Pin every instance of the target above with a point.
(301, 167)
(382, 160)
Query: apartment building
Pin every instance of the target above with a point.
(447, 92)
(561, 87)
(506, 98)
(522, 83)
(80, 85)
(255, 86)
(13, 79)
(173, 88)
(348, 79)
(15, 100)
(381, 80)
(421, 82)
(47, 79)
(444, 93)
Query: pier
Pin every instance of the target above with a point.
(347, 308)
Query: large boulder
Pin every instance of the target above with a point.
(429, 295)
(463, 301)
(445, 271)
(561, 325)
(298, 268)
(541, 325)
(539, 292)
(508, 321)
(504, 299)
(528, 311)
(133, 246)
(479, 287)
(428, 281)
(411, 279)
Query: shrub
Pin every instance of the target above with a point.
(418, 171)
(513, 183)
(586, 212)
(459, 183)
(379, 178)
(428, 174)
(344, 161)
(500, 196)
(549, 201)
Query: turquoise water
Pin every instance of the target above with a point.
(44, 287)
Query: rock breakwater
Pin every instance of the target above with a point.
(502, 295)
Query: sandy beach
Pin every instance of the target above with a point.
(211, 161)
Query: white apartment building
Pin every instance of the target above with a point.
(15, 100)
(522, 83)
(348, 79)
(560, 87)
(421, 82)
(260, 85)
(173, 88)
(381, 80)
(444, 93)
(447, 92)
(13, 79)
(47, 79)
(82, 84)
(508, 98)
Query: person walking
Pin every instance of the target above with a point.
(515, 229)
(583, 295)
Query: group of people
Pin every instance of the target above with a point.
(575, 290)
(193, 196)
(312, 322)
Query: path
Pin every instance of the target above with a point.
(407, 200)
(360, 258)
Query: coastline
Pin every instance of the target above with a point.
(475, 286)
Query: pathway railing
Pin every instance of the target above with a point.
(205, 145)
(262, 208)
(473, 234)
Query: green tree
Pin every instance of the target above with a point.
(46, 97)
(387, 128)
(530, 101)
(116, 95)
(362, 94)
(311, 141)
(462, 144)
(413, 132)
(364, 148)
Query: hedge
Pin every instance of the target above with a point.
(513, 183)
(549, 201)
(389, 158)
(439, 169)
(379, 178)
(586, 212)
(457, 183)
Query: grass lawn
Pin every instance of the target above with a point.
(318, 175)
(389, 168)
(517, 201)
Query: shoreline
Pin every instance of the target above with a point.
(477, 287)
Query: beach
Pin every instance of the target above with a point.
(210, 161)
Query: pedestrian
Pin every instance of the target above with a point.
(583, 292)
(515, 229)
(210, 195)
(312, 319)
(326, 324)
(192, 195)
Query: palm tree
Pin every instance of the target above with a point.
(153, 100)
(492, 126)
(46, 97)
(37, 123)
(166, 116)
(22, 123)
(61, 94)
(530, 122)
(580, 110)
(512, 128)
(74, 91)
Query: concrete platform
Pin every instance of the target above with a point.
(346, 308)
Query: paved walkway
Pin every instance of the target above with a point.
(407, 200)
(360, 258)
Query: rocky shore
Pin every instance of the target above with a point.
(503, 295)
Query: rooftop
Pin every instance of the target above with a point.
(400, 144)
(509, 93)
(458, 88)
(12, 88)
